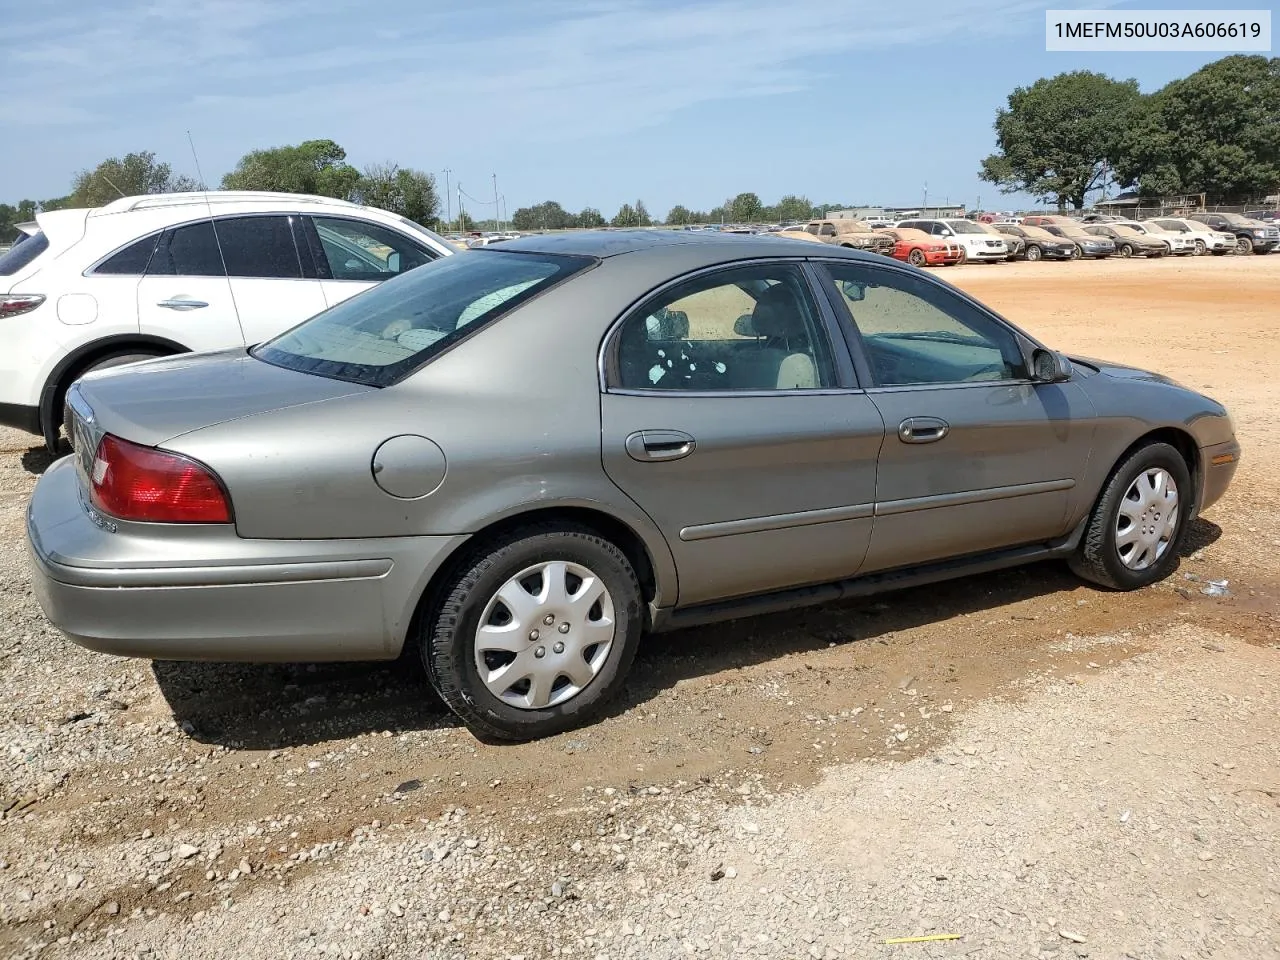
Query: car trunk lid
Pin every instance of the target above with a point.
(155, 401)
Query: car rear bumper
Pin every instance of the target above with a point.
(201, 593)
(20, 416)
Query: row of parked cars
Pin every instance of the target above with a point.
(944, 241)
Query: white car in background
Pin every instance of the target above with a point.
(150, 276)
(977, 243)
(1180, 244)
(1204, 239)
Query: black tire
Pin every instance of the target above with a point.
(1200, 249)
(1097, 558)
(448, 631)
(1126, 250)
(964, 257)
(1034, 253)
(916, 257)
(102, 363)
(1077, 253)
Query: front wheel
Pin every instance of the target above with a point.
(1076, 254)
(1126, 250)
(916, 257)
(1200, 249)
(964, 256)
(1244, 245)
(535, 634)
(1139, 521)
(1034, 253)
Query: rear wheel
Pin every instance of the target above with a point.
(102, 363)
(1138, 523)
(535, 634)
(1034, 253)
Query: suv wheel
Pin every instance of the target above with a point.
(1200, 249)
(102, 363)
(1244, 245)
(535, 634)
(1138, 523)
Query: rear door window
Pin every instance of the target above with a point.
(22, 254)
(190, 251)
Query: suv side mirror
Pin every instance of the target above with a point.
(853, 291)
(1049, 366)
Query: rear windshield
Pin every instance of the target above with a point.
(386, 333)
(22, 253)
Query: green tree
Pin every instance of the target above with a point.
(129, 176)
(315, 166)
(745, 208)
(625, 217)
(678, 216)
(1055, 136)
(591, 218)
(792, 207)
(410, 193)
(548, 215)
(1216, 131)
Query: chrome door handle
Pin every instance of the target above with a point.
(182, 303)
(923, 429)
(659, 445)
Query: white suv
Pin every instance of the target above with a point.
(1204, 239)
(167, 273)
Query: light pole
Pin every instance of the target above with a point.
(497, 219)
(448, 200)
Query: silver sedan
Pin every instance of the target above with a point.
(518, 460)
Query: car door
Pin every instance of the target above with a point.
(733, 418)
(976, 457)
(351, 255)
(266, 274)
(185, 295)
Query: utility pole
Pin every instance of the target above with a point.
(497, 220)
(925, 206)
(461, 211)
(448, 200)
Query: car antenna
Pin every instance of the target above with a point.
(113, 186)
(217, 241)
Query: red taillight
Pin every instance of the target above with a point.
(12, 304)
(153, 486)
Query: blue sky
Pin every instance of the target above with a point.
(592, 102)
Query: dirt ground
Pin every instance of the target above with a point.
(1030, 764)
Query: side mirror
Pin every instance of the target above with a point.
(744, 326)
(1049, 366)
(853, 290)
(393, 262)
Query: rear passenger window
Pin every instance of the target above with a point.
(190, 251)
(132, 260)
(751, 328)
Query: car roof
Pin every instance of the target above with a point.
(705, 246)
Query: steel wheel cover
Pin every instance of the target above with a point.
(545, 635)
(1147, 519)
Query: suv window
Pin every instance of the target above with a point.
(132, 260)
(22, 253)
(359, 250)
(190, 251)
(916, 332)
(747, 328)
(260, 247)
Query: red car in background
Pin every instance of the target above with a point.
(921, 249)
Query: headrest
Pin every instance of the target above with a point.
(778, 314)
